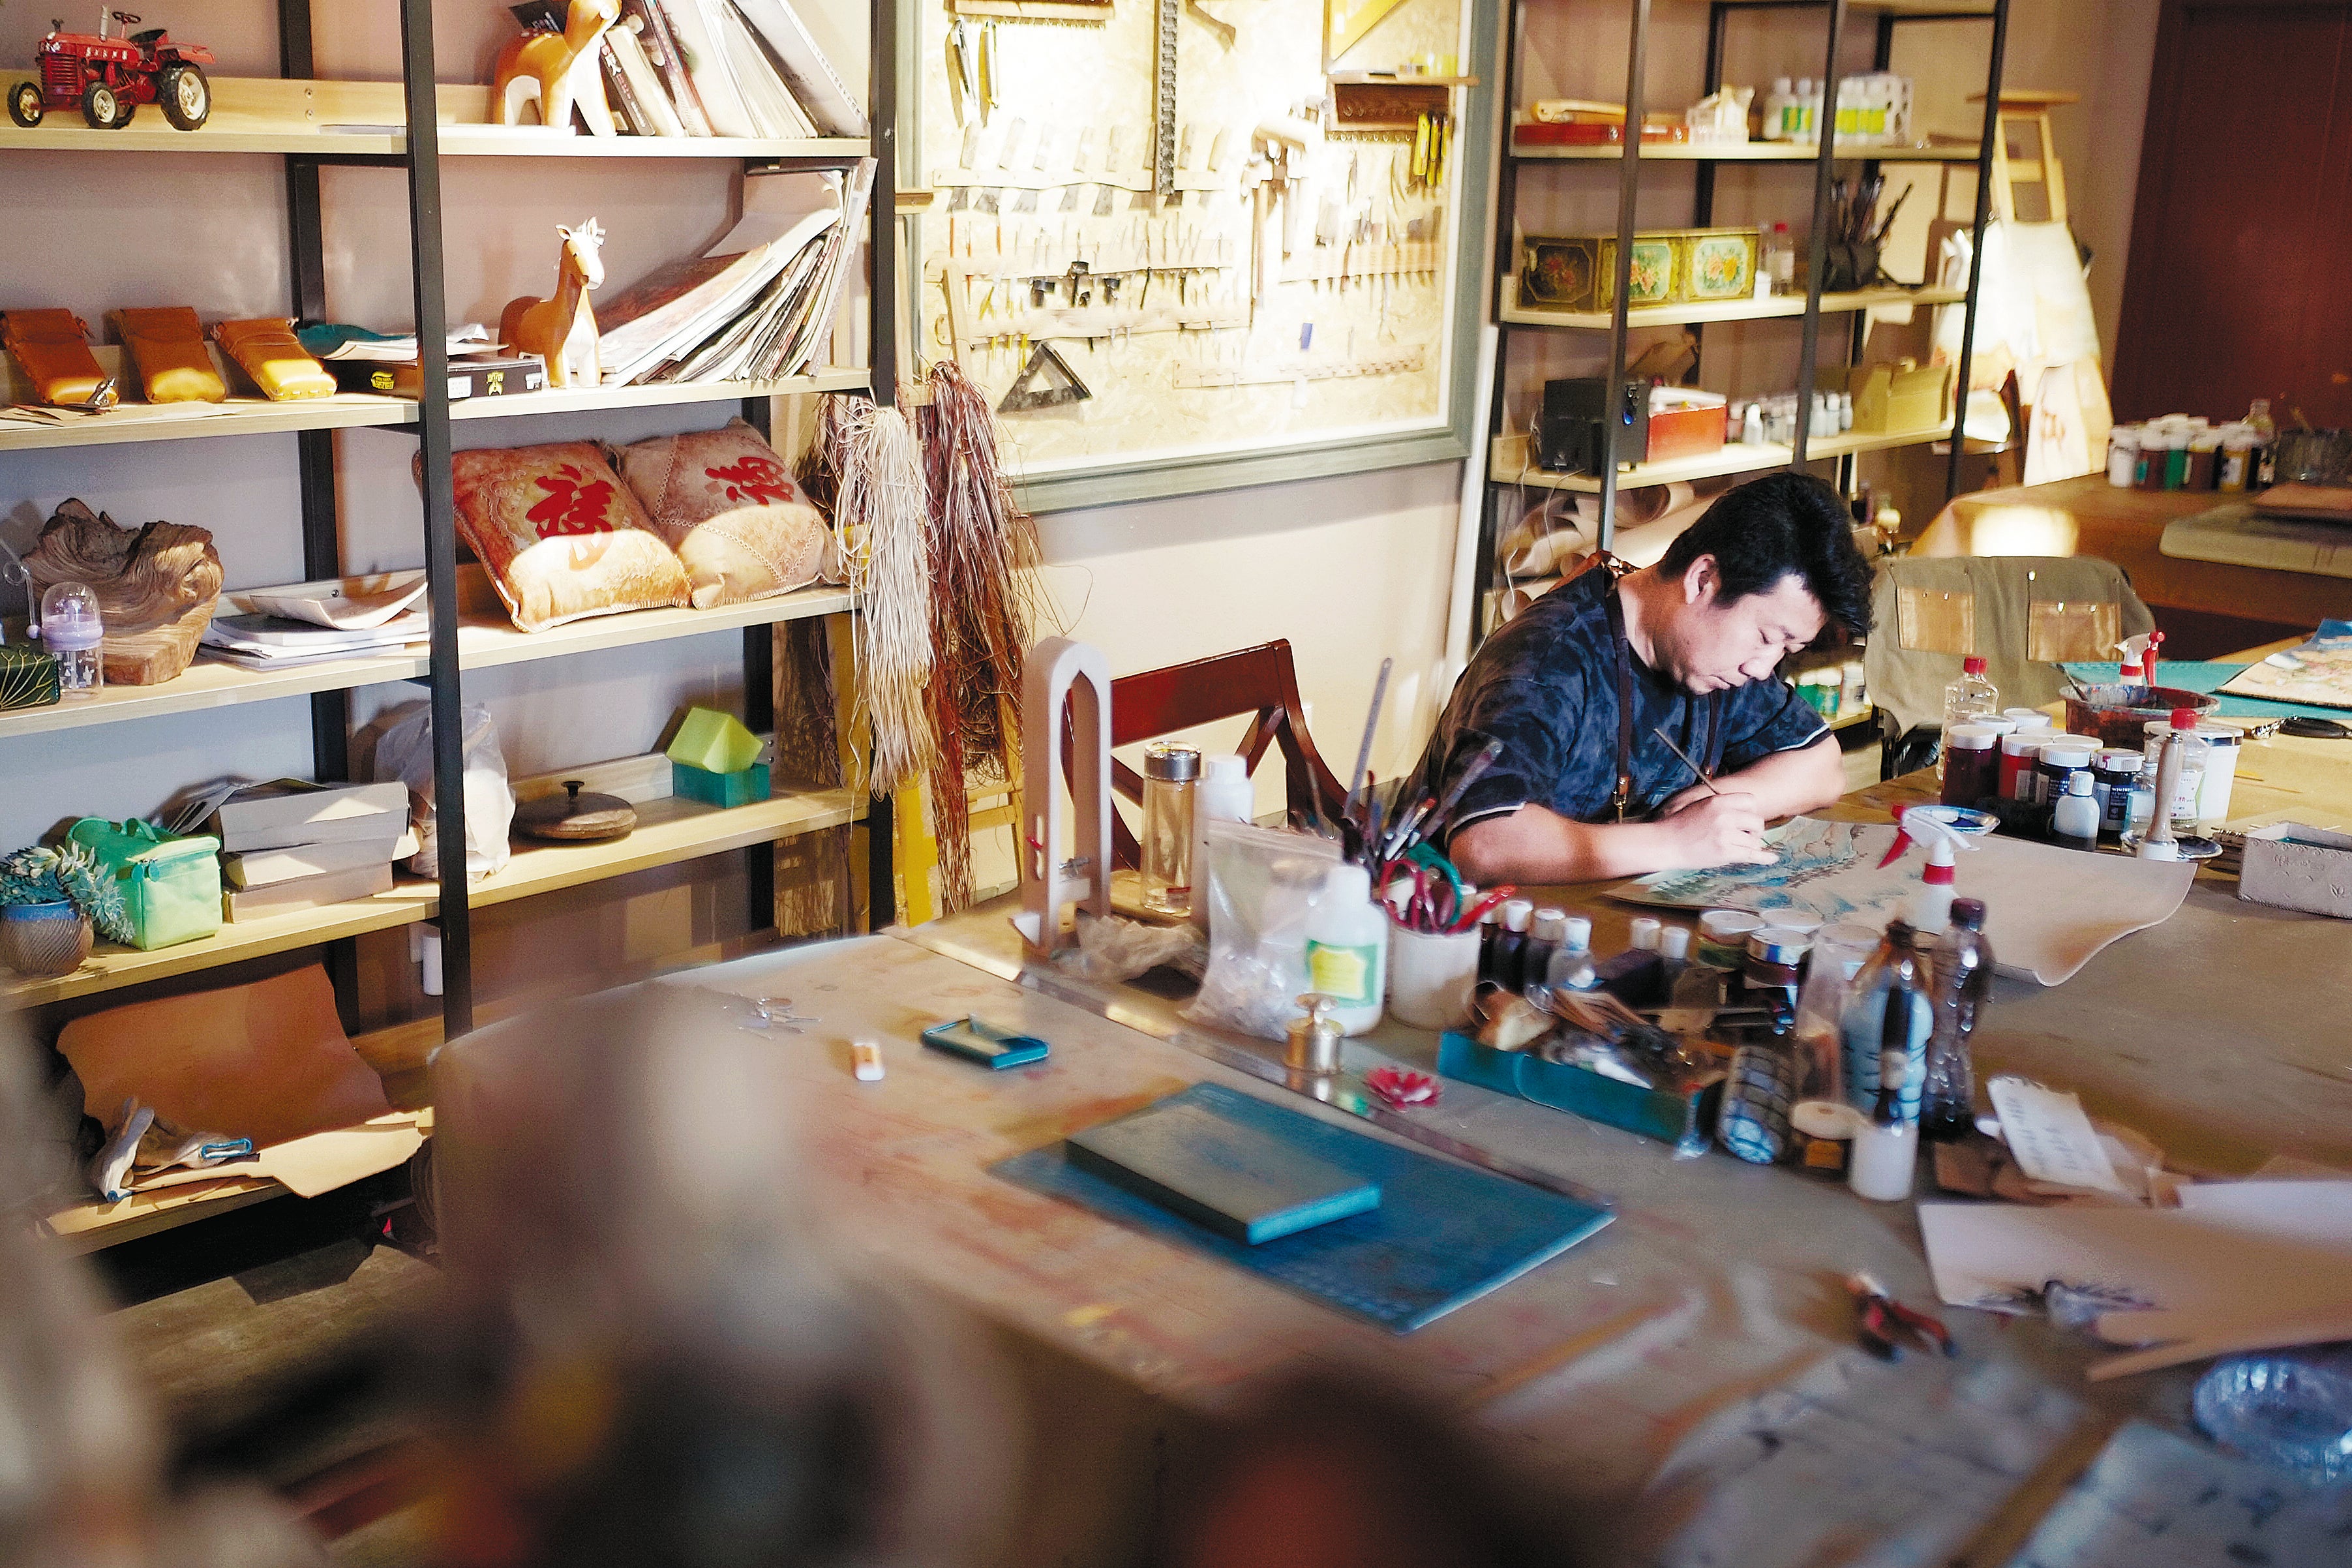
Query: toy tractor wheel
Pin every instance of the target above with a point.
(25, 104)
(101, 107)
(186, 97)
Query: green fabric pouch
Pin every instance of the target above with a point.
(28, 678)
(171, 885)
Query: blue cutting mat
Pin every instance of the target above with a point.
(2190, 676)
(1444, 1234)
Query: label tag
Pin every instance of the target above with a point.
(2051, 1136)
(1342, 974)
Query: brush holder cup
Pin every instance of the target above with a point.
(1432, 975)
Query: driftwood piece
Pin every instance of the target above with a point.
(156, 587)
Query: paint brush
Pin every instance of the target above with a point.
(1696, 771)
(1485, 758)
(1372, 723)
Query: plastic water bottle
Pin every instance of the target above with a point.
(1967, 699)
(72, 629)
(2290, 1409)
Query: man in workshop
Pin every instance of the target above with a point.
(1578, 685)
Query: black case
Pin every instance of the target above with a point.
(1569, 432)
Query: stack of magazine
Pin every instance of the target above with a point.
(719, 68)
(758, 305)
(303, 623)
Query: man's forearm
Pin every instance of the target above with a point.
(1538, 848)
(1789, 783)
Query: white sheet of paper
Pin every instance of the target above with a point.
(2051, 1136)
(2319, 1212)
(2205, 1272)
(2048, 911)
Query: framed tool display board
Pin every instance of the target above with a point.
(1189, 244)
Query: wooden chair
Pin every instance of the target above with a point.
(1260, 681)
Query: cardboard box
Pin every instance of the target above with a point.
(2293, 867)
(1890, 399)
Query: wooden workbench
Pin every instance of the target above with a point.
(2203, 606)
(2219, 1034)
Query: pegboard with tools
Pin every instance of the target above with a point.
(1225, 239)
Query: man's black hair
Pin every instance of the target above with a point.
(1773, 527)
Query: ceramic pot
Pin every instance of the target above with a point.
(44, 938)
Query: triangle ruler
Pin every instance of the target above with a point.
(1045, 381)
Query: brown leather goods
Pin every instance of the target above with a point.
(167, 344)
(267, 350)
(54, 347)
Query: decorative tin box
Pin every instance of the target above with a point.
(1671, 266)
(28, 677)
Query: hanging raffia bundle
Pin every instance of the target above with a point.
(983, 556)
(869, 457)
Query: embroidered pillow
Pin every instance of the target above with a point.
(727, 503)
(562, 536)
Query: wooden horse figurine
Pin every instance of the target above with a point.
(562, 330)
(557, 70)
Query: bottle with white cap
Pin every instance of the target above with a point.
(2075, 820)
(1571, 967)
(1223, 794)
(1348, 949)
(1642, 933)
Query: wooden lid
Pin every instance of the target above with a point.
(573, 814)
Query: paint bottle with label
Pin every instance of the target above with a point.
(1348, 949)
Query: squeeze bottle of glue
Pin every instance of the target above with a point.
(1223, 794)
(1930, 908)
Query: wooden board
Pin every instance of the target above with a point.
(1510, 463)
(1777, 306)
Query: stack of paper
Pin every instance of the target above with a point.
(722, 68)
(291, 845)
(272, 642)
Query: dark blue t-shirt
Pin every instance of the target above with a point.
(1545, 685)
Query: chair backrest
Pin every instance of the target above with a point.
(2023, 613)
(1260, 682)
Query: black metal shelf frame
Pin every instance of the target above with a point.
(1629, 176)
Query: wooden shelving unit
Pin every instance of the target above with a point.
(414, 126)
(1510, 461)
(129, 421)
(669, 830)
(1748, 153)
(1779, 305)
(1508, 467)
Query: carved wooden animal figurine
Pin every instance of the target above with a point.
(562, 330)
(557, 70)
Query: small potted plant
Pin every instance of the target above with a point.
(51, 900)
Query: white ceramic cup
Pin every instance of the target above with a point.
(1431, 977)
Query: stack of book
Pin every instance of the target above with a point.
(720, 67)
(272, 642)
(290, 844)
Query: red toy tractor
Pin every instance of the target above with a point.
(110, 77)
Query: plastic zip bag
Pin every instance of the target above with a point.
(406, 754)
(1263, 886)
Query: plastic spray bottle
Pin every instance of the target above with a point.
(1930, 908)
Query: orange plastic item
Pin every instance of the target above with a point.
(54, 347)
(167, 346)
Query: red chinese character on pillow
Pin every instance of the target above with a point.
(571, 506)
(762, 481)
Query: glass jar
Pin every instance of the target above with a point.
(1170, 772)
(1971, 764)
(72, 629)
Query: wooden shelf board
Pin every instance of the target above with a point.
(262, 114)
(1374, 78)
(1508, 464)
(86, 1227)
(670, 829)
(1898, 8)
(1778, 306)
(1859, 716)
(486, 639)
(1747, 153)
(257, 416)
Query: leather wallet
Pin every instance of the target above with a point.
(54, 347)
(167, 344)
(266, 350)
